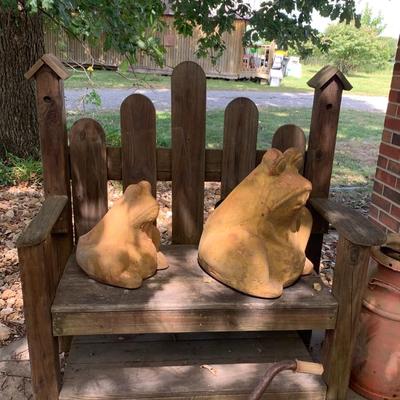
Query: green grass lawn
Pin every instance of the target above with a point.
(357, 143)
(373, 84)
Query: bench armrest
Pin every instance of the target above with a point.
(349, 223)
(41, 226)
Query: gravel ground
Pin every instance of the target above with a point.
(111, 99)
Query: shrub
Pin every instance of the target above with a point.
(352, 48)
(14, 170)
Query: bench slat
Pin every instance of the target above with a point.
(88, 173)
(188, 91)
(240, 143)
(138, 139)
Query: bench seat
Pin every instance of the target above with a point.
(183, 298)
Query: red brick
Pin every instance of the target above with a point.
(395, 82)
(391, 194)
(385, 177)
(398, 52)
(392, 107)
(378, 187)
(398, 184)
(389, 222)
(393, 167)
(382, 162)
(395, 212)
(373, 211)
(380, 202)
(389, 151)
(392, 124)
(394, 96)
(387, 136)
(396, 139)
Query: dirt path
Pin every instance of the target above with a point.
(218, 99)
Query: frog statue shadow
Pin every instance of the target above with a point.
(123, 248)
(255, 240)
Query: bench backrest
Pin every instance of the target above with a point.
(188, 164)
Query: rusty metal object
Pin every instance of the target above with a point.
(376, 364)
(288, 365)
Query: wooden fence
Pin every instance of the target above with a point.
(178, 49)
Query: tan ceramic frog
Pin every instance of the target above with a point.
(255, 240)
(123, 248)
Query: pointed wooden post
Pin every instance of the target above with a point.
(329, 84)
(43, 265)
(50, 74)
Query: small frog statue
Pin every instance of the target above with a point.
(255, 240)
(123, 248)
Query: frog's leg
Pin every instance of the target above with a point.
(308, 267)
(239, 259)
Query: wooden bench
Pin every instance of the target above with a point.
(182, 334)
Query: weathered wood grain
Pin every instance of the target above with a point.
(351, 275)
(322, 138)
(240, 143)
(188, 120)
(53, 63)
(54, 147)
(138, 141)
(43, 223)
(325, 74)
(38, 288)
(52, 130)
(321, 148)
(183, 298)
(49, 74)
(173, 369)
(89, 174)
(287, 136)
(349, 223)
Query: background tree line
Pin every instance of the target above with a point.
(351, 47)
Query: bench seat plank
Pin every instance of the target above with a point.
(183, 298)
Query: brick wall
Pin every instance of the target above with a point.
(385, 205)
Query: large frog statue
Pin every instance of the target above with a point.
(255, 240)
(123, 248)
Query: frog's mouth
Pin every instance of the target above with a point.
(299, 204)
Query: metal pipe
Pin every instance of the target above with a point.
(273, 370)
(304, 367)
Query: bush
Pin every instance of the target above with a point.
(14, 170)
(352, 48)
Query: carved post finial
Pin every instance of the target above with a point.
(52, 62)
(325, 75)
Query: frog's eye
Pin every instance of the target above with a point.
(274, 161)
(294, 157)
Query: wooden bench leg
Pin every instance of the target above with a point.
(350, 279)
(36, 263)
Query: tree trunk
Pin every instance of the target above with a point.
(21, 44)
